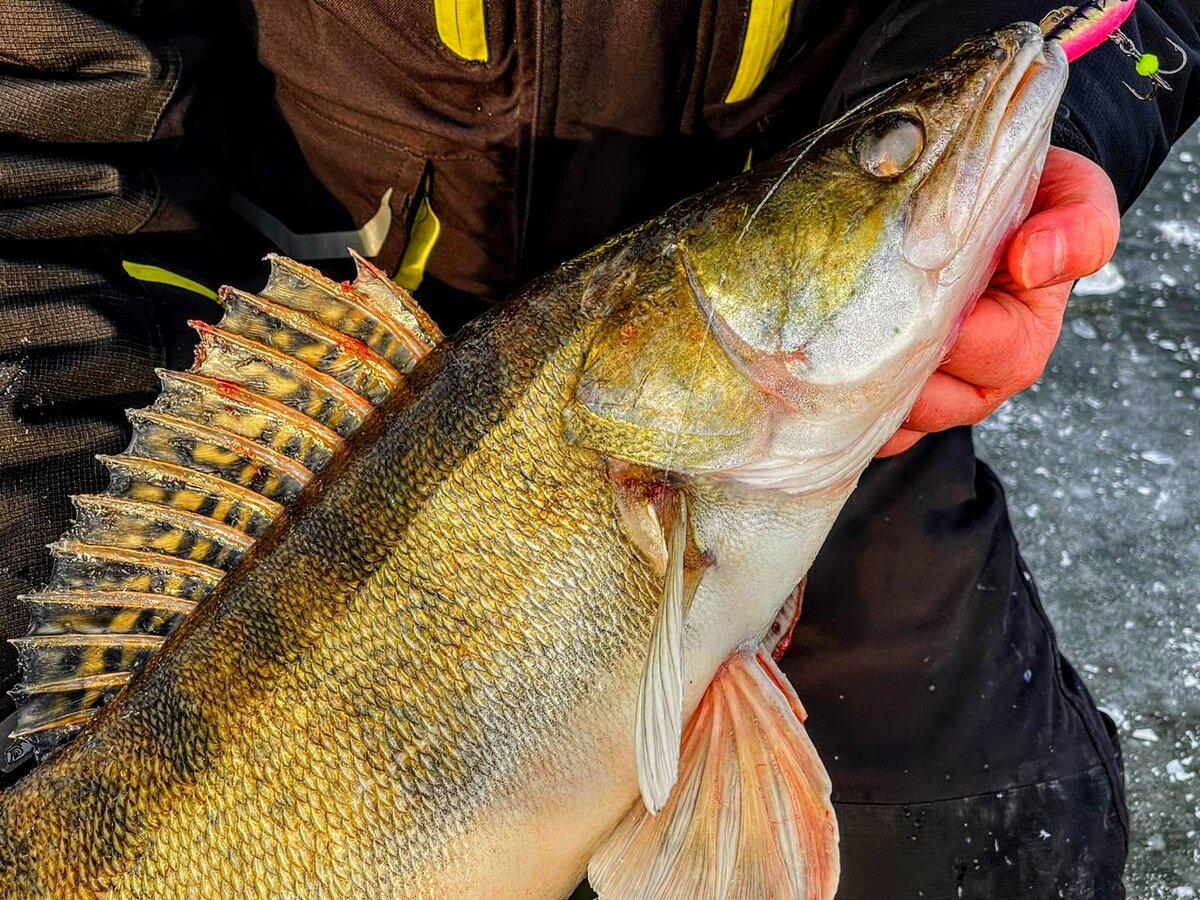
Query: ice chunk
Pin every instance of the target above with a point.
(1177, 772)
(1180, 234)
(1108, 280)
(1084, 329)
(1158, 458)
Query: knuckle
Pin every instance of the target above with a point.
(1029, 374)
(990, 399)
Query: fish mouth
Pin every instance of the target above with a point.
(995, 154)
(1021, 110)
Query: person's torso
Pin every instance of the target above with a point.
(472, 144)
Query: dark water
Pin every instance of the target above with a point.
(1102, 462)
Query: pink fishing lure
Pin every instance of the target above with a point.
(1081, 29)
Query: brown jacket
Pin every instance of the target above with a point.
(561, 123)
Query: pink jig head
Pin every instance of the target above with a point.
(1081, 29)
(1078, 29)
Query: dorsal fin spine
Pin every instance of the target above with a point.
(212, 338)
(79, 568)
(101, 679)
(218, 530)
(220, 492)
(263, 457)
(132, 599)
(65, 726)
(93, 509)
(240, 394)
(66, 548)
(389, 301)
(241, 412)
(73, 639)
(277, 388)
(347, 359)
(342, 307)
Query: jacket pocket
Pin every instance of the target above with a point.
(376, 181)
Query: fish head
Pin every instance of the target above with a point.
(831, 279)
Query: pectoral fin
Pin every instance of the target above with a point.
(751, 816)
(659, 727)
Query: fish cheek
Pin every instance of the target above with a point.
(658, 390)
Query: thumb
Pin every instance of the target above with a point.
(1075, 229)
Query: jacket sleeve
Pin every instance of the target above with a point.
(98, 165)
(1098, 116)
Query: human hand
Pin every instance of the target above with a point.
(1007, 339)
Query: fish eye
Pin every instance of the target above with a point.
(889, 144)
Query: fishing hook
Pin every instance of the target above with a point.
(1182, 60)
(1147, 64)
(1078, 29)
(1149, 95)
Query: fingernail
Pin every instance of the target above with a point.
(1045, 258)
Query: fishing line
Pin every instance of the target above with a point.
(813, 138)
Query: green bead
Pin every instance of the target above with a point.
(1147, 65)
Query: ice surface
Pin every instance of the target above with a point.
(1102, 462)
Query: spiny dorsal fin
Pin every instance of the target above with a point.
(278, 386)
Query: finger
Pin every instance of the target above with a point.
(899, 442)
(947, 402)
(1074, 229)
(1006, 340)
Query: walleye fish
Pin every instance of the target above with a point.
(369, 613)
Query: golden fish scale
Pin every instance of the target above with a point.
(345, 712)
